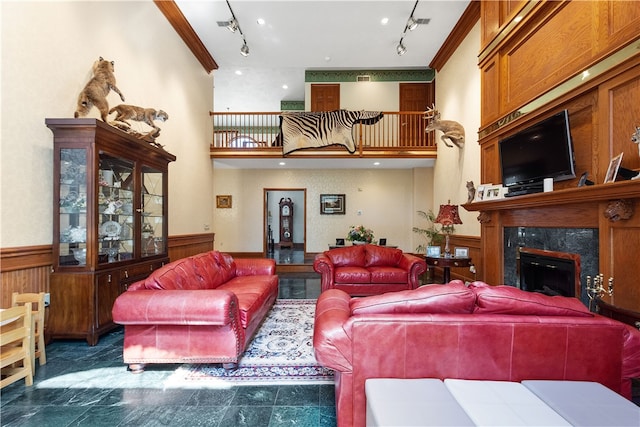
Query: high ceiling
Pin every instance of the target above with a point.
(310, 35)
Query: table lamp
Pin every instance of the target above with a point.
(447, 217)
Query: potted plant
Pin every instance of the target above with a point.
(432, 234)
(360, 235)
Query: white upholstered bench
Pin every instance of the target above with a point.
(431, 402)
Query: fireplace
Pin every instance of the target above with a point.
(582, 242)
(550, 272)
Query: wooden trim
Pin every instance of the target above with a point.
(20, 258)
(469, 17)
(178, 21)
(190, 239)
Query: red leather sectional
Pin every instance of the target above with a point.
(477, 332)
(200, 309)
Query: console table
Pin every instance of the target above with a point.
(446, 263)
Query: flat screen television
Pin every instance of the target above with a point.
(543, 150)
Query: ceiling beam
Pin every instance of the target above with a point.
(174, 15)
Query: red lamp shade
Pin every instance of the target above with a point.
(448, 215)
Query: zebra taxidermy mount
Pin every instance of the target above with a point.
(453, 131)
(319, 129)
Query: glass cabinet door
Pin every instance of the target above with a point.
(73, 207)
(153, 238)
(115, 209)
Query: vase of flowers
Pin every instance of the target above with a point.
(360, 235)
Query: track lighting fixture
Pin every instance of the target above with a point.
(233, 25)
(412, 24)
(401, 49)
(244, 50)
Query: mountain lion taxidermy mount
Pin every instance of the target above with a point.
(126, 112)
(95, 92)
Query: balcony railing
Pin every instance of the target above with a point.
(256, 134)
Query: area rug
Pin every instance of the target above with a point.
(280, 353)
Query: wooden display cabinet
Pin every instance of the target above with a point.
(109, 222)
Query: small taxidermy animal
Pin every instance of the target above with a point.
(95, 92)
(146, 115)
(471, 191)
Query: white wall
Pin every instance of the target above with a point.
(458, 99)
(48, 49)
(387, 199)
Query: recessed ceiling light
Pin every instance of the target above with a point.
(238, 73)
(376, 163)
(327, 58)
(384, 21)
(282, 163)
(260, 21)
(285, 87)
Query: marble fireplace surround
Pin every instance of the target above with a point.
(581, 241)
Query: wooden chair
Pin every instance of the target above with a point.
(37, 305)
(15, 345)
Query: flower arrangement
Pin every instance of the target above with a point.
(360, 234)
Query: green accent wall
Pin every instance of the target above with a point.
(325, 76)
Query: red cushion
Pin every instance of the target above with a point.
(352, 275)
(454, 297)
(505, 299)
(388, 275)
(349, 256)
(176, 275)
(381, 256)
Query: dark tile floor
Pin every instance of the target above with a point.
(90, 386)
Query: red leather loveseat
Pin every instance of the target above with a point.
(368, 269)
(200, 309)
(478, 332)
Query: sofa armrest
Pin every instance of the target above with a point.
(255, 266)
(323, 265)
(176, 307)
(415, 266)
(331, 343)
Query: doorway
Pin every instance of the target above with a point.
(293, 222)
(415, 97)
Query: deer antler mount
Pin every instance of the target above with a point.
(451, 131)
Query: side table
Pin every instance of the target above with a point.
(446, 263)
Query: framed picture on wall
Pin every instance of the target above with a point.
(223, 202)
(332, 204)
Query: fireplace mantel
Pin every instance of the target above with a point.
(567, 196)
(580, 207)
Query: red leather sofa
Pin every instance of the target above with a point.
(368, 269)
(478, 332)
(200, 309)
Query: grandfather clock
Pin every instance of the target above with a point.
(286, 223)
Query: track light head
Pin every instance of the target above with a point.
(232, 25)
(401, 49)
(244, 50)
(412, 24)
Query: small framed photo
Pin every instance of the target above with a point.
(461, 252)
(480, 192)
(223, 202)
(493, 192)
(614, 165)
(382, 242)
(332, 204)
(433, 251)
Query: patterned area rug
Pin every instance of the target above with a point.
(281, 353)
